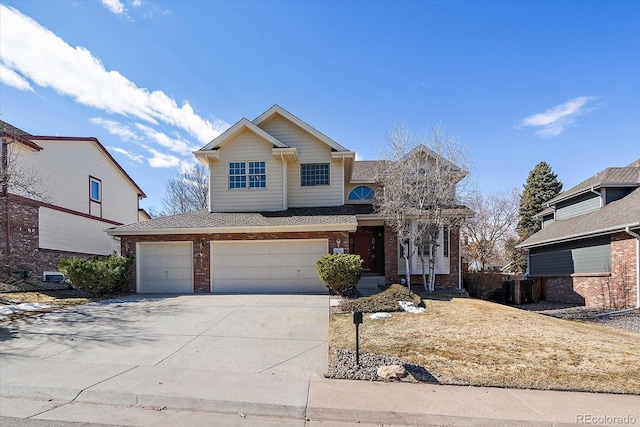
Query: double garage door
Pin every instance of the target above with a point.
(237, 266)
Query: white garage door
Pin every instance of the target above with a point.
(165, 267)
(267, 266)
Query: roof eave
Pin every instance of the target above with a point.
(351, 227)
(578, 236)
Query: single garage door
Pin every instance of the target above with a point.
(267, 266)
(165, 267)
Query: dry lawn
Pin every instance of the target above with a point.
(55, 299)
(474, 342)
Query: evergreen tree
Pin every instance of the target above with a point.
(541, 186)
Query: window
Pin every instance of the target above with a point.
(361, 193)
(256, 176)
(95, 189)
(313, 174)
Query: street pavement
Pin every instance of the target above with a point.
(236, 360)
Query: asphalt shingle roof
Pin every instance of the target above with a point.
(338, 215)
(10, 129)
(616, 176)
(365, 170)
(614, 216)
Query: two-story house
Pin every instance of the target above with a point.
(282, 194)
(74, 190)
(588, 249)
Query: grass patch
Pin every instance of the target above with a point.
(384, 301)
(56, 299)
(474, 342)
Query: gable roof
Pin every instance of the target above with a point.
(204, 222)
(627, 176)
(100, 148)
(278, 110)
(235, 130)
(614, 217)
(18, 135)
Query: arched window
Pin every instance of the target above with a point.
(361, 193)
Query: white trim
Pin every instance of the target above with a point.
(235, 130)
(232, 230)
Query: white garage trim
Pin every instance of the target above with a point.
(175, 258)
(267, 266)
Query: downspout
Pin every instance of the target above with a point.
(592, 189)
(285, 205)
(5, 196)
(637, 237)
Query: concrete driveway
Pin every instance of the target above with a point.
(259, 334)
(262, 349)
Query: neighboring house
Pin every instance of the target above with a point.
(81, 191)
(587, 251)
(282, 194)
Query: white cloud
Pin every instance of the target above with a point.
(114, 6)
(131, 156)
(118, 129)
(162, 160)
(177, 145)
(11, 78)
(556, 119)
(43, 58)
(137, 3)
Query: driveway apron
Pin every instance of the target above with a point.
(216, 352)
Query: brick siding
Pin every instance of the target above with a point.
(25, 253)
(615, 290)
(201, 249)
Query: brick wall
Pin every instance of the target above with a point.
(201, 249)
(616, 289)
(391, 260)
(24, 252)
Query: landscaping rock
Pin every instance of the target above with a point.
(391, 372)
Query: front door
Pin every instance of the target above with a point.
(368, 243)
(362, 247)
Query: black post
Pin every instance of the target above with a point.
(357, 320)
(357, 345)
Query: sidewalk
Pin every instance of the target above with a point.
(143, 395)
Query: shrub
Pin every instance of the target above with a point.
(98, 275)
(484, 285)
(384, 301)
(340, 271)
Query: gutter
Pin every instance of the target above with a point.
(637, 237)
(579, 236)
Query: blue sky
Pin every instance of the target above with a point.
(517, 82)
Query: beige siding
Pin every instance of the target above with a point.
(246, 147)
(66, 166)
(66, 232)
(310, 150)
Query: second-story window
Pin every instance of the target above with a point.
(313, 174)
(247, 175)
(95, 189)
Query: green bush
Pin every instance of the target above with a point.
(340, 272)
(98, 275)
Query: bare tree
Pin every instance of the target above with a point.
(17, 176)
(495, 220)
(188, 192)
(422, 181)
(392, 201)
